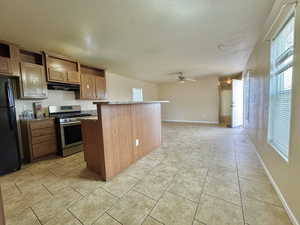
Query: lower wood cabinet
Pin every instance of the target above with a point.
(39, 138)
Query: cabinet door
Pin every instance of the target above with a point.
(15, 60)
(88, 87)
(55, 75)
(5, 66)
(100, 87)
(33, 84)
(74, 77)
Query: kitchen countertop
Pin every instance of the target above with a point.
(35, 119)
(89, 118)
(109, 102)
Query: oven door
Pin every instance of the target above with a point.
(70, 134)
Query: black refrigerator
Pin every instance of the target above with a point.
(9, 147)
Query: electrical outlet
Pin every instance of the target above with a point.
(137, 142)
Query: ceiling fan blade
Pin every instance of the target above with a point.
(188, 79)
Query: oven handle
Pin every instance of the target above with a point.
(70, 123)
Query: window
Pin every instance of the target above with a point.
(281, 72)
(137, 94)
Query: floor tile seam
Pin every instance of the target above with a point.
(82, 195)
(265, 202)
(52, 194)
(112, 218)
(18, 188)
(156, 203)
(155, 220)
(35, 215)
(241, 196)
(202, 193)
(70, 211)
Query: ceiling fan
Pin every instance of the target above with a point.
(181, 78)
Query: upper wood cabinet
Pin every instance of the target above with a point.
(33, 78)
(92, 83)
(9, 60)
(62, 70)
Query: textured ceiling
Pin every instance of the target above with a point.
(146, 39)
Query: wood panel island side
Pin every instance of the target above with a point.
(122, 133)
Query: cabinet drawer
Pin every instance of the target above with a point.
(42, 139)
(42, 124)
(43, 149)
(42, 132)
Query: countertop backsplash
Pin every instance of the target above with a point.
(55, 97)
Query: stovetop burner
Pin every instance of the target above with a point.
(67, 113)
(70, 115)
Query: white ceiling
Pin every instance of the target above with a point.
(146, 39)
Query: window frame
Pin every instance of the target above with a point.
(271, 73)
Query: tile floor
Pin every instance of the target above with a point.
(201, 175)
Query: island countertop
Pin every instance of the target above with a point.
(112, 102)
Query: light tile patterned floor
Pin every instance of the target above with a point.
(201, 175)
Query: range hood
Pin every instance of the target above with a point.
(63, 87)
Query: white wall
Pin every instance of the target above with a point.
(285, 174)
(191, 101)
(120, 87)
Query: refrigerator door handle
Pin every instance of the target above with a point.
(10, 118)
(9, 94)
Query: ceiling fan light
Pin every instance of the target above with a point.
(182, 81)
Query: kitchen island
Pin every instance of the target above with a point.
(122, 133)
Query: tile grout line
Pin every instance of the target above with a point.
(240, 188)
(74, 216)
(157, 201)
(35, 215)
(202, 193)
(111, 217)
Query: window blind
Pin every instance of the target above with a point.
(282, 56)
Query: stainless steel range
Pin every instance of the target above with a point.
(68, 127)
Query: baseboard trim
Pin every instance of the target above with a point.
(280, 195)
(191, 121)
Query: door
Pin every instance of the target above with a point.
(237, 103)
(74, 77)
(33, 83)
(88, 87)
(226, 103)
(100, 87)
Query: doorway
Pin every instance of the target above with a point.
(237, 106)
(231, 101)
